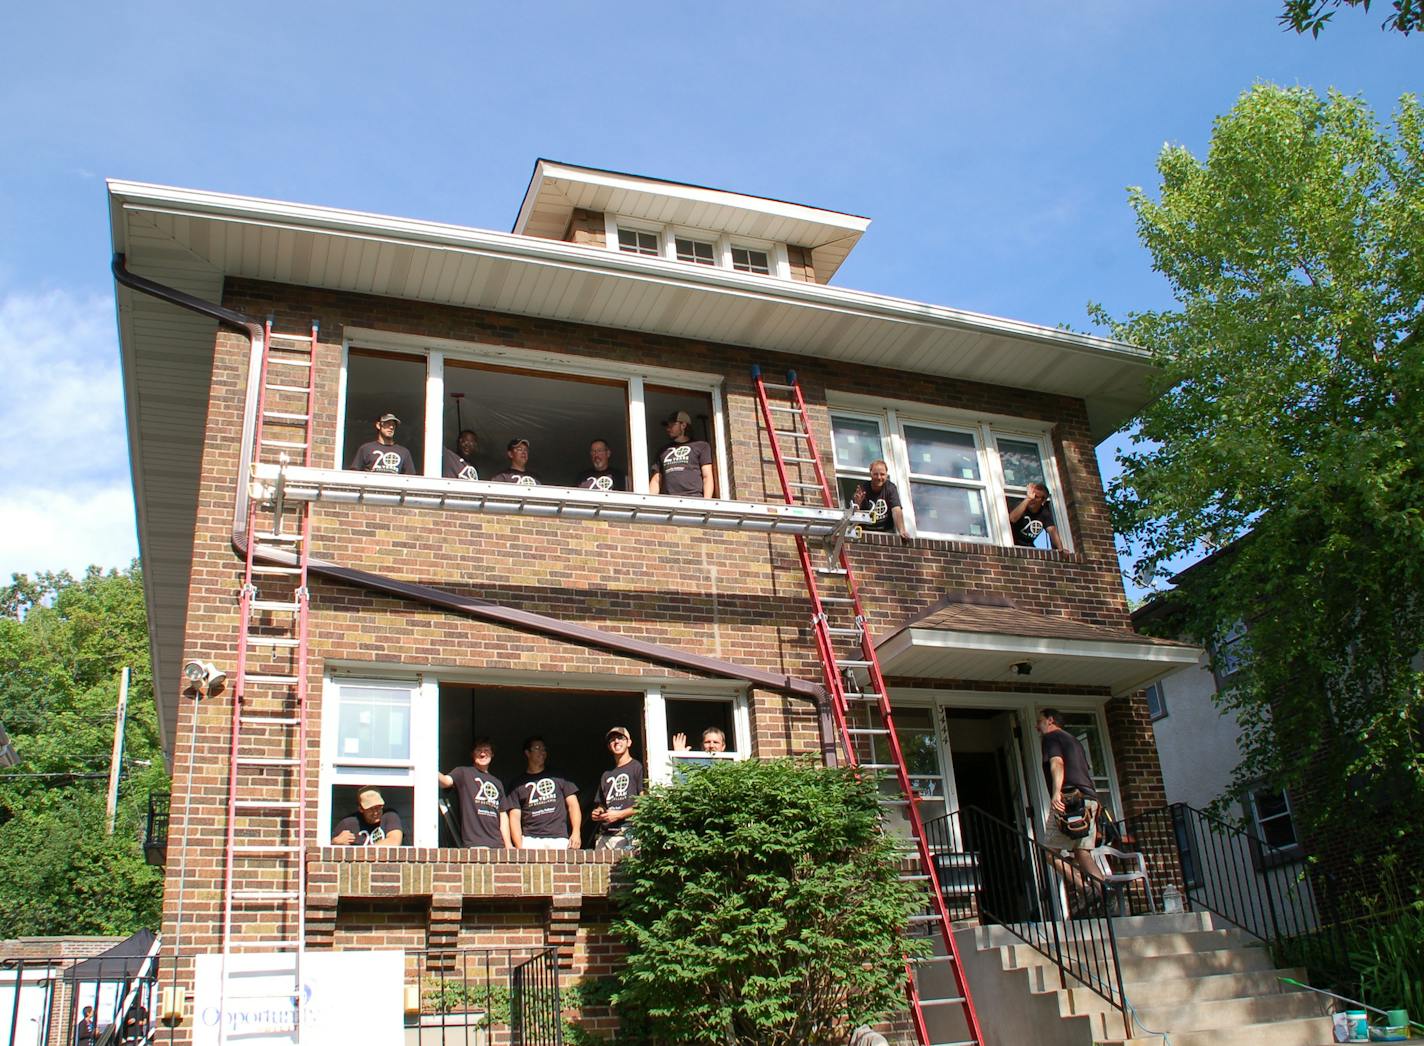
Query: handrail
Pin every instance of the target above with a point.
(1021, 886)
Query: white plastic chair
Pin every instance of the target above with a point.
(1132, 874)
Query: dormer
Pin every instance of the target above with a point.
(686, 224)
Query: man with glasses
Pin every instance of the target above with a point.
(384, 454)
(371, 825)
(543, 807)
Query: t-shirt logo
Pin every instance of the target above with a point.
(878, 509)
(1032, 528)
(488, 794)
(544, 789)
(618, 787)
(468, 472)
(678, 455)
(385, 461)
(367, 838)
(526, 481)
(601, 483)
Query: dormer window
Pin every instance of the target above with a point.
(699, 252)
(636, 241)
(748, 259)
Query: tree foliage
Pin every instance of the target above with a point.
(762, 906)
(62, 644)
(1311, 16)
(1292, 368)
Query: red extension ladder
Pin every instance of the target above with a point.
(867, 734)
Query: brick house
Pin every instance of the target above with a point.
(614, 301)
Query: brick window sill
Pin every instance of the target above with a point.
(971, 547)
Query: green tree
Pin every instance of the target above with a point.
(762, 906)
(1311, 16)
(1290, 410)
(62, 644)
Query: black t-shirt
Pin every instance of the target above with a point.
(879, 505)
(364, 833)
(524, 479)
(1075, 763)
(681, 467)
(539, 798)
(1031, 524)
(481, 798)
(457, 467)
(618, 788)
(605, 480)
(390, 458)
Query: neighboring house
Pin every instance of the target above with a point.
(614, 302)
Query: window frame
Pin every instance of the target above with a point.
(1263, 853)
(778, 259)
(895, 415)
(658, 232)
(553, 364)
(660, 762)
(983, 484)
(1160, 711)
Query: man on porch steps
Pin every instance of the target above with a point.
(1066, 772)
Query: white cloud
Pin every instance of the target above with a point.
(65, 500)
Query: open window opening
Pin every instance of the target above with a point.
(571, 722)
(659, 402)
(559, 416)
(380, 382)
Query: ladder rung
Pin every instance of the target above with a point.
(942, 1002)
(264, 895)
(878, 766)
(273, 641)
(847, 663)
(273, 361)
(266, 760)
(932, 917)
(257, 677)
(278, 387)
(271, 720)
(837, 599)
(260, 568)
(274, 604)
(267, 848)
(886, 800)
(284, 415)
(301, 339)
(874, 730)
(286, 539)
(798, 461)
(291, 443)
(925, 960)
(857, 632)
(267, 804)
(778, 388)
(266, 946)
(916, 878)
(830, 570)
(958, 1042)
(870, 698)
(792, 432)
(806, 486)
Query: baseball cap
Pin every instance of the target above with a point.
(678, 415)
(515, 442)
(370, 798)
(389, 417)
(617, 731)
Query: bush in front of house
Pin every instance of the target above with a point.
(762, 907)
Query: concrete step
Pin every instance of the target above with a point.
(1313, 1031)
(1156, 967)
(1144, 946)
(1137, 926)
(1231, 1013)
(1209, 987)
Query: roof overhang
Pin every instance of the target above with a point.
(557, 189)
(1120, 666)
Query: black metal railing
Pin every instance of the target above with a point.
(956, 866)
(1024, 887)
(51, 995)
(155, 829)
(536, 1010)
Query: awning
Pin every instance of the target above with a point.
(968, 638)
(122, 962)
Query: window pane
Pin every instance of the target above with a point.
(1156, 704)
(949, 510)
(858, 442)
(694, 717)
(634, 241)
(1273, 817)
(377, 383)
(948, 455)
(746, 260)
(374, 724)
(399, 800)
(695, 251)
(845, 488)
(1022, 462)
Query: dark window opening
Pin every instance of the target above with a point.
(559, 416)
(379, 383)
(692, 717)
(659, 402)
(401, 800)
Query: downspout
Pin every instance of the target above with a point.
(469, 606)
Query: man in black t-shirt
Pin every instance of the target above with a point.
(518, 471)
(618, 790)
(1031, 517)
(371, 825)
(684, 466)
(543, 807)
(882, 500)
(460, 462)
(1069, 778)
(384, 454)
(483, 819)
(601, 477)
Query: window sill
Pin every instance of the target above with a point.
(454, 855)
(981, 547)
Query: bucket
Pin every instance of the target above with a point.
(1395, 1028)
(1357, 1026)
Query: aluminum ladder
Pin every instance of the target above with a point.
(861, 705)
(264, 877)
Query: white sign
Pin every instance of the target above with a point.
(346, 997)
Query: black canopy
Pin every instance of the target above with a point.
(120, 963)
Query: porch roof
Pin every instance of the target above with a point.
(983, 637)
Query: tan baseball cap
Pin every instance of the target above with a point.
(617, 731)
(370, 798)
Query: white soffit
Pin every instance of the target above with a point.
(525, 275)
(1120, 666)
(556, 189)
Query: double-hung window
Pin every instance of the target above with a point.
(959, 477)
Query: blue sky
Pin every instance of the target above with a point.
(991, 144)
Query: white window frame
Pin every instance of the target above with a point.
(1161, 712)
(1257, 819)
(677, 232)
(661, 761)
(658, 233)
(778, 258)
(862, 475)
(436, 350)
(983, 485)
(337, 769)
(987, 428)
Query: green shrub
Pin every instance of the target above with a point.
(762, 907)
